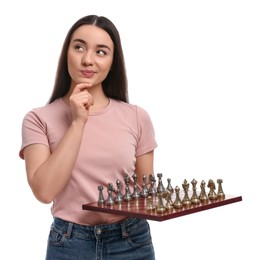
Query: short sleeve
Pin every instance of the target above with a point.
(33, 131)
(146, 140)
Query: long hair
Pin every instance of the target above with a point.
(115, 84)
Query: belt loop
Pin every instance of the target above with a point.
(69, 230)
(123, 230)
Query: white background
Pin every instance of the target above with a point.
(196, 67)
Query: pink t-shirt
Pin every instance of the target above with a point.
(111, 141)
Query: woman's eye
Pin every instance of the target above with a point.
(79, 48)
(101, 52)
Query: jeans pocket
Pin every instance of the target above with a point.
(56, 237)
(139, 236)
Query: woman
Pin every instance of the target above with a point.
(89, 135)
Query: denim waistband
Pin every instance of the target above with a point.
(105, 230)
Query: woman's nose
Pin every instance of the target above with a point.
(88, 58)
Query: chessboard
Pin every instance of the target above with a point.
(155, 202)
(138, 208)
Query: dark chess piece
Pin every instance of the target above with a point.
(144, 191)
(186, 201)
(111, 187)
(136, 190)
(194, 199)
(101, 199)
(211, 194)
(160, 187)
(110, 199)
(151, 178)
(202, 196)
(220, 192)
(119, 196)
(127, 196)
(152, 190)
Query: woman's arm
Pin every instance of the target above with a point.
(47, 172)
(144, 166)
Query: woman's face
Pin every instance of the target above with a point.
(90, 55)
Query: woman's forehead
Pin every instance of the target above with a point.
(92, 34)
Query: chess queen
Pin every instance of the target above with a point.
(88, 134)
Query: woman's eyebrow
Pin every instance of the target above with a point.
(99, 45)
(79, 40)
(104, 46)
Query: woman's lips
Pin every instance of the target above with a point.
(88, 73)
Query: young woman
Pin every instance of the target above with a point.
(89, 135)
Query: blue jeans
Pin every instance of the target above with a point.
(127, 240)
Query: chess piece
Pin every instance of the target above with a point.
(101, 199)
(145, 191)
(111, 187)
(211, 194)
(177, 204)
(119, 196)
(220, 192)
(169, 186)
(168, 198)
(202, 196)
(160, 208)
(151, 177)
(194, 199)
(186, 201)
(152, 191)
(110, 199)
(136, 191)
(150, 207)
(127, 196)
(160, 187)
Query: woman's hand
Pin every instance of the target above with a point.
(80, 102)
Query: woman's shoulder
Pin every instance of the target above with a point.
(131, 110)
(128, 106)
(49, 109)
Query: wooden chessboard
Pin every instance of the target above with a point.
(137, 208)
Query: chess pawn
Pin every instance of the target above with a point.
(136, 192)
(203, 197)
(160, 187)
(145, 191)
(211, 194)
(160, 208)
(119, 196)
(169, 186)
(110, 199)
(186, 201)
(101, 199)
(126, 179)
(127, 195)
(177, 204)
(152, 191)
(220, 193)
(194, 199)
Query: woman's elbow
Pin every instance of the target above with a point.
(43, 196)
